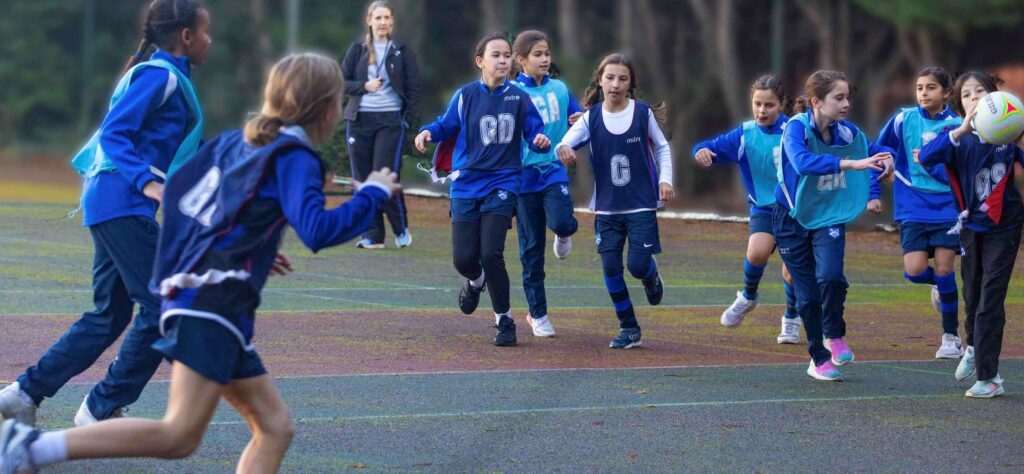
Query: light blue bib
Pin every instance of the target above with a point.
(827, 200)
(552, 102)
(917, 131)
(763, 153)
(91, 160)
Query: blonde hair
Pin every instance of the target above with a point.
(369, 29)
(300, 90)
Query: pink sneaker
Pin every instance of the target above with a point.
(825, 371)
(841, 353)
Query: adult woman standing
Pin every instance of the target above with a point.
(382, 87)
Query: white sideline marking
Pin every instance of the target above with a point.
(720, 403)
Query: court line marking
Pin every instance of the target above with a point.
(577, 409)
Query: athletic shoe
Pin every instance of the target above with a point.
(15, 439)
(628, 338)
(506, 332)
(734, 314)
(986, 388)
(541, 326)
(13, 405)
(84, 416)
(950, 348)
(965, 369)
(403, 241)
(790, 333)
(654, 288)
(469, 297)
(562, 247)
(369, 244)
(936, 300)
(841, 353)
(826, 371)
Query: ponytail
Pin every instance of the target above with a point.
(164, 20)
(368, 41)
(594, 94)
(147, 40)
(262, 129)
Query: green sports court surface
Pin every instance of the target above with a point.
(382, 373)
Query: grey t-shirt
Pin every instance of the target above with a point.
(384, 99)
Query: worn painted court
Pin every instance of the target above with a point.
(382, 373)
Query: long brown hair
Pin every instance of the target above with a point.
(593, 94)
(164, 19)
(368, 42)
(822, 82)
(300, 90)
(772, 84)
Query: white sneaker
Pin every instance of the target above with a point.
(733, 316)
(13, 405)
(790, 333)
(965, 369)
(950, 348)
(15, 440)
(936, 300)
(369, 244)
(404, 240)
(541, 326)
(84, 416)
(562, 247)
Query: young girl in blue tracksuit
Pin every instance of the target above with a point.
(225, 217)
(154, 124)
(924, 206)
(981, 177)
(544, 200)
(632, 165)
(823, 184)
(755, 146)
(489, 119)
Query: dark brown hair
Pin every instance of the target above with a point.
(522, 46)
(593, 94)
(770, 83)
(481, 46)
(822, 82)
(988, 82)
(944, 79)
(164, 20)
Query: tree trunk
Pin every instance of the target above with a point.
(491, 12)
(264, 54)
(569, 41)
(624, 14)
(728, 61)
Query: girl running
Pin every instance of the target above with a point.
(383, 88)
(489, 119)
(544, 200)
(924, 204)
(153, 126)
(981, 176)
(632, 166)
(822, 186)
(755, 146)
(223, 226)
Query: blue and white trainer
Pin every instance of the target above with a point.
(15, 439)
(965, 369)
(404, 240)
(628, 338)
(369, 244)
(986, 388)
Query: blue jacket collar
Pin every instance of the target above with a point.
(775, 128)
(497, 90)
(833, 128)
(527, 81)
(180, 62)
(946, 113)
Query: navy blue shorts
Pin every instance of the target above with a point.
(761, 222)
(208, 348)
(921, 237)
(641, 228)
(499, 202)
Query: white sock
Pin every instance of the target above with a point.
(479, 280)
(497, 317)
(541, 319)
(50, 448)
